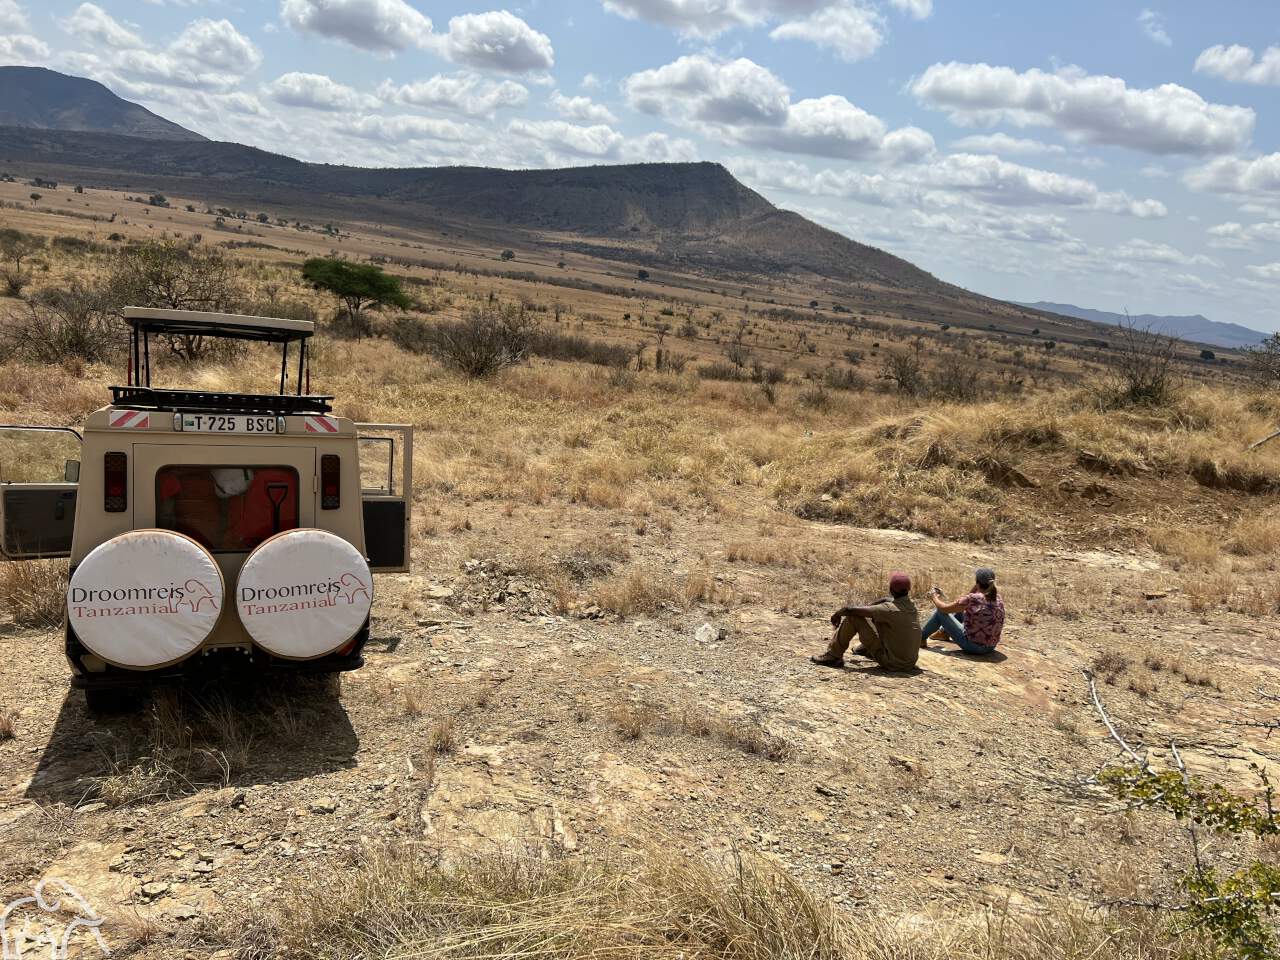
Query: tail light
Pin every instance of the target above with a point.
(115, 482)
(330, 481)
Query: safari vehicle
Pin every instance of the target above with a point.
(209, 529)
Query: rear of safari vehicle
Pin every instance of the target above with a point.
(216, 530)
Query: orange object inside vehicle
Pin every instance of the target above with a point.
(227, 509)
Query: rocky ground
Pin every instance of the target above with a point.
(484, 718)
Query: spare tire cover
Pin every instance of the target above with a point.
(145, 599)
(304, 593)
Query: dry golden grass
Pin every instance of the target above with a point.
(8, 725)
(1255, 534)
(443, 736)
(651, 902)
(33, 592)
(1189, 545)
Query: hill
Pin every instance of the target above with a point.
(691, 214)
(43, 99)
(1197, 328)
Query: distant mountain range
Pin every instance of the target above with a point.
(41, 99)
(1196, 328)
(688, 218)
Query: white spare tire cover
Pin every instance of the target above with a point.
(304, 593)
(145, 599)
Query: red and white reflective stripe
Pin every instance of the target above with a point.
(129, 420)
(320, 424)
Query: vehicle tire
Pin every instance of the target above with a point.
(112, 701)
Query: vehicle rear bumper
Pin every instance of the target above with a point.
(235, 663)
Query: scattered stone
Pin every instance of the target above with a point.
(154, 889)
(324, 805)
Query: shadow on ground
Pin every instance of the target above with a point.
(182, 739)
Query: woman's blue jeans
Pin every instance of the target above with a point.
(954, 627)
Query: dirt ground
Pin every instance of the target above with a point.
(608, 628)
(483, 720)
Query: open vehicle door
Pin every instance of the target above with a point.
(386, 481)
(39, 478)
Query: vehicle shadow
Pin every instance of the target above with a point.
(182, 739)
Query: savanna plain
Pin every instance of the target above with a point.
(588, 725)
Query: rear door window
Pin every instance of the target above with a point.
(228, 509)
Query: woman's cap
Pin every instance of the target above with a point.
(985, 577)
(899, 582)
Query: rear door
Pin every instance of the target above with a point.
(39, 479)
(386, 482)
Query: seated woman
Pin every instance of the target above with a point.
(980, 622)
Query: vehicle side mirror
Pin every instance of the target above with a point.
(71, 472)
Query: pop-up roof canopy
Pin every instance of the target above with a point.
(202, 324)
(146, 321)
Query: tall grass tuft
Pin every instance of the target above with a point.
(649, 903)
(33, 592)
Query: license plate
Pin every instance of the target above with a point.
(219, 423)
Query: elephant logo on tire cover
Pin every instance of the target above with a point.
(352, 587)
(195, 594)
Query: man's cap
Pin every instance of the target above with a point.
(985, 577)
(899, 582)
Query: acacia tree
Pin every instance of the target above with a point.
(16, 246)
(1264, 361)
(356, 286)
(177, 277)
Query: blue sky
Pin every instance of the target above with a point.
(1105, 153)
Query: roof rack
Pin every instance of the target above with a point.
(229, 325)
(186, 401)
(145, 321)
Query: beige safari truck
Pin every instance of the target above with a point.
(206, 530)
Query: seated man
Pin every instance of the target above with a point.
(889, 630)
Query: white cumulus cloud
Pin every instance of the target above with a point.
(920, 9)
(851, 31)
(23, 49)
(12, 18)
(1168, 119)
(1146, 251)
(740, 101)
(658, 148)
(497, 41)
(381, 26)
(596, 141)
(1270, 272)
(1239, 236)
(1001, 143)
(703, 18)
(404, 128)
(1152, 25)
(581, 109)
(464, 93)
(1257, 176)
(314, 91)
(1240, 64)
(218, 44)
(89, 22)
